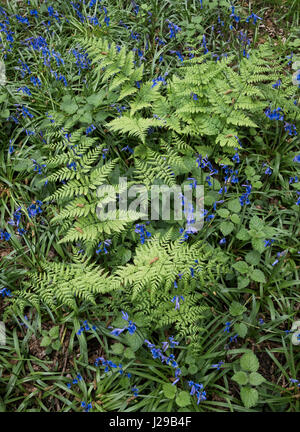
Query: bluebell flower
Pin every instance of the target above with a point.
(4, 292)
(297, 158)
(135, 391)
(227, 327)
(197, 389)
(173, 29)
(268, 170)
(222, 241)
(276, 114)
(177, 299)
(218, 365)
(253, 17)
(277, 84)
(143, 233)
(291, 129)
(35, 209)
(87, 407)
(234, 16)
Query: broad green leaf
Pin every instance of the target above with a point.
(235, 219)
(223, 213)
(258, 244)
(46, 341)
(56, 345)
(256, 378)
(236, 309)
(257, 276)
(241, 267)
(249, 362)
(241, 378)
(129, 354)
(117, 348)
(253, 257)
(54, 332)
(243, 234)
(249, 396)
(243, 282)
(169, 390)
(234, 205)
(241, 329)
(183, 399)
(256, 224)
(226, 228)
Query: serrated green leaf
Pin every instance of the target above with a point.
(256, 378)
(183, 399)
(241, 378)
(226, 228)
(46, 341)
(169, 390)
(223, 213)
(243, 282)
(236, 309)
(249, 396)
(117, 348)
(234, 205)
(253, 257)
(243, 234)
(258, 244)
(235, 219)
(257, 276)
(241, 267)
(249, 362)
(241, 329)
(54, 332)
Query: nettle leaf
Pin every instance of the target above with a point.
(256, 224)
(169, 390)
(235, 219)
(249, 362)
(56, 345)
(243, 282)
(46, 341)
(253, 257)
(258, 244)
(193, 369)
(68, 105)
(241, 267)
(256, 378)
(236, 309)
(234, 205)
(129, 354)
(117, 348)
(241, 378)
(249, 396)
(257, 276)
(226, 228)
(241, 329)
(243, 234)
(183, 399)
(54, 332)
(134, 341)
(223, 213)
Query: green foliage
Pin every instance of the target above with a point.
(248, 374)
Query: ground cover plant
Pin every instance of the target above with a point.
(138, 313)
